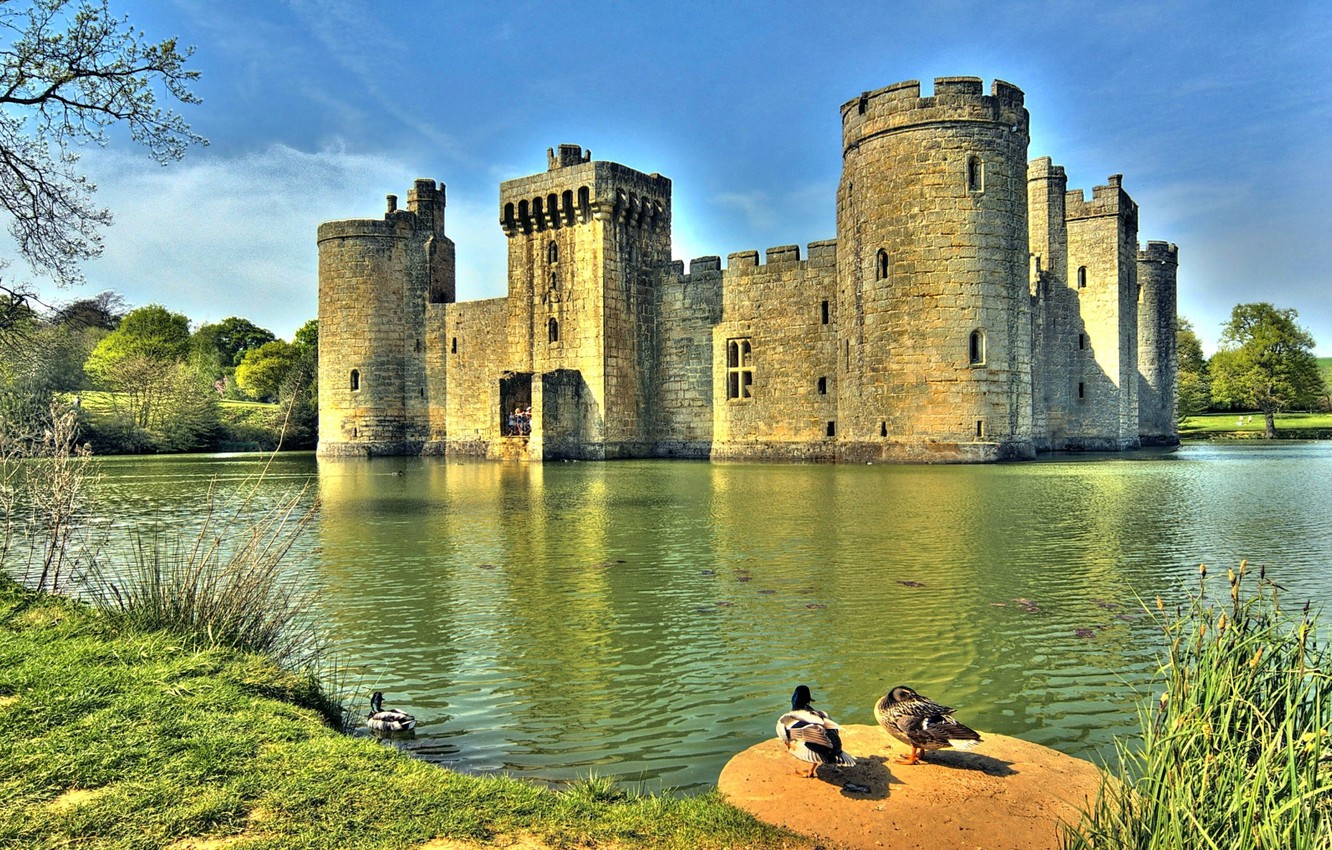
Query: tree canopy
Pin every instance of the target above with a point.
(1194, 378)
(1265, 361)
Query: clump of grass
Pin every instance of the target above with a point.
(1237, 751)
(224, 585)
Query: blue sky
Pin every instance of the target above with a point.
(1218, 115)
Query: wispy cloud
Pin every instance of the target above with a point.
(215, 237)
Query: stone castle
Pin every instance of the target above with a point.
(970, 309)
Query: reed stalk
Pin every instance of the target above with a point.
(1236, 751)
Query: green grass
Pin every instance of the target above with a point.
(120, 737)
(1236, 747)
(1228, 423)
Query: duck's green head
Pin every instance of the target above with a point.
(801, 698)
(376, 702)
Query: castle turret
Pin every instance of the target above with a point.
(1102, 386)
(1158, 357)
(932, 275)
(376, 277)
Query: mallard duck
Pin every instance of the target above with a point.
(921, 723)
(810, 735)
(387, 719)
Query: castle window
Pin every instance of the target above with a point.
(553, 253)
(975, 175)
(1082, 390)
(863, 104)
(739, 369)
(355, 379)
(553, 330)
(538, 215)
(823, 386)
(554, 280)
(825, 312)
(980, 427)
(1082, 341)
(881, 265)
(418, 346)
(832, 429)
(1082, 277)
(453, 349)
(883, 429)
(567, 206)
(977, 348)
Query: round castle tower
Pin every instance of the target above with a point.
(932, 277)
(1158, 355)
(376, 277)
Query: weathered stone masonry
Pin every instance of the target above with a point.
(971, 308)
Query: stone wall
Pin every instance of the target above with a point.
(476, 358)
(689, 306)
(774, 356)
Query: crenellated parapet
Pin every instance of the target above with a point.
(1107, 200)
(1165, 253)
(424, 213)
(575, 190)
(900, 105)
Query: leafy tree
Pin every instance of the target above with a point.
(1265, 361)
(138, 359)
(231, 338)
(262, 370)
(1194, 393)
(68, 73)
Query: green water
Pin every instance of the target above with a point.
(647, 620)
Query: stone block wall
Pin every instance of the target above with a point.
(475, 361)
(784, 309)
(689, 306)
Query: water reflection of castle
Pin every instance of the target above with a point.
(970, 309)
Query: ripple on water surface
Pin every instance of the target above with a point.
(647, 620)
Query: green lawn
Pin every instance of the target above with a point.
(122, 738)
(1251, 423)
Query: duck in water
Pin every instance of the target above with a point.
(383, 719)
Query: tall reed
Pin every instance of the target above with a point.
(225, 584)
(1236, 752)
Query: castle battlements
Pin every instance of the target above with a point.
(955, 99)
(1159, 252)
(1107, 200)
(574, 190)
(968, 309)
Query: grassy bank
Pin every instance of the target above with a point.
(1249, 426)
(121, 737)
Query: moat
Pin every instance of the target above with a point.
(646, 620)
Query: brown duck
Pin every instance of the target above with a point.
(921, 723)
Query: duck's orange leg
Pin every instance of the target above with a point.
(914, 758)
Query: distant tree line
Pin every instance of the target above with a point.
(142, 381)
(1264, 362)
